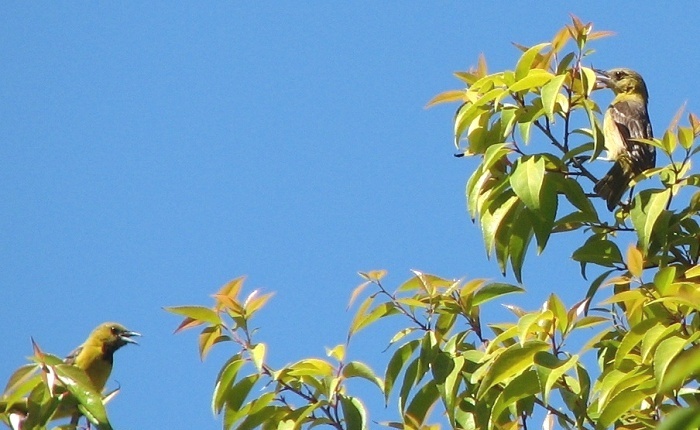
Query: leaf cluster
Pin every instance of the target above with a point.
(249, 393)
(48, 389)
(535, 132)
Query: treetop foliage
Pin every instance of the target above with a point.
(536, 134)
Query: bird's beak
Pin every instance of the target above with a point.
(127, 337)
(602, 79)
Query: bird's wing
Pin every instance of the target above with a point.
(632, 120)
(70, 358)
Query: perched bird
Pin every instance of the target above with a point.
(96, 358)
(625, 119)
(96, 355)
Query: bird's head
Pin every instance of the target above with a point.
(622, 81)
(113, 336)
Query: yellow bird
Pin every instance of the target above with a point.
(96, 355)
(626, 119)
(96, 358)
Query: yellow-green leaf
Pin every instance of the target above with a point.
(357, 369)
(635, 261)
(354, 413)
(535, 79)
(511, 363)
(549, 93)
(648, 206)
(198, 313)
(446, 97)
(257, 353)
(526, 60)
(226, 376)
(527, 179)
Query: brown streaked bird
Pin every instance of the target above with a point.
(626, 119)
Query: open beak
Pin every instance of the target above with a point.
(127, 337)
(602, 79)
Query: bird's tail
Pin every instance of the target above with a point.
(613, 185)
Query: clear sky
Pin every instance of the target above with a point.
(150, 152)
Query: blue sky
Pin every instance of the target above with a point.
(152, 152)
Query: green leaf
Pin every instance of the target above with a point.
(494, 290)
(685, 367)
(23, 381)
(635, 261)
(237, 393)
(524, 128)
(589, 321)
(198, 313)
(681, 418)
(669, 142)
(507, 121)
(302, 415)
(446, 97)
(226, 376)
(410, 377)
(314, 367)
(549, 93)
(530, 324)
(89, 400)
(470, 111)
(256, 406)
(519, 237)
(597, 282)
(550, 369)
(493, 218)
(441, 367)
(664, 278)
(596, 129)
(257, 353)
(648, 206)
(526, 180)
(632, 339)
(501, 247)
(619, 405)
(512, 362)
(357, 369)
(686, 137)
(557, 307)
(543, 219)
(667, 350)
(589, 79)
(422, 402)
(475, 184)
(397, 363)
(260, 414)
(601, 252)
(535, 78)
(584, 382)
(424, 283)
(337, 353)
(363, 319)
(494, 154)
(447, 372)
(354, 413)
(209, 337)
(693, 271)
(525, 62)
(574, 193)
(525, 385)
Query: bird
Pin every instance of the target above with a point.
(626, 119)
(95, 357)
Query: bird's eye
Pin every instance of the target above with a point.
(619, 74)
(114, 330)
